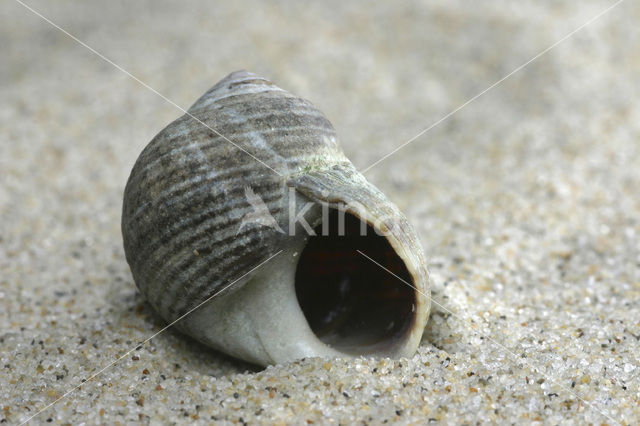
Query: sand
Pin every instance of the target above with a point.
(526, 202)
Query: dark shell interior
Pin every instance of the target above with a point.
(351, 303)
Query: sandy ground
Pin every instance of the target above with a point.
(526, 201)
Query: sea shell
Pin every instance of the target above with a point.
(216, 219)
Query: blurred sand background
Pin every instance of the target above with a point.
(526, 201)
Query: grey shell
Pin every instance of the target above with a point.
(186, 196)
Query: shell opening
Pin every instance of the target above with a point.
(350, 303)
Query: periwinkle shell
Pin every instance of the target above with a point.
(185, 239)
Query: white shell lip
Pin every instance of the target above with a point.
(342, 187)
(421, 308)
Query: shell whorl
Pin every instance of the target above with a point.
(187, 194)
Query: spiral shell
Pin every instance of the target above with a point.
(218, 209)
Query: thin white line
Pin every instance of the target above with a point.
(139, 345)
(493, 85)
(145, 85)
(519, 358)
